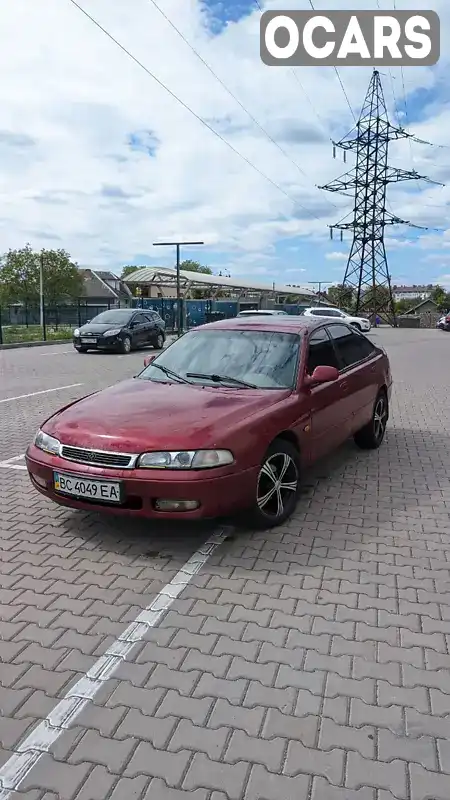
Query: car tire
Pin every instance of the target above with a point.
(125, 345)
(371, 436)
(357, 326)
(81, 349)
(159, 341)
(282, 458)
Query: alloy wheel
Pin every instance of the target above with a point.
(160, 341)
(380, 418)
(277, 485)
(126, 345)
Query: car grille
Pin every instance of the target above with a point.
(98, 457)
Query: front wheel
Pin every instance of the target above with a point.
(371, 436)
(357, 326)
(81, 349)
(125, 347)
(277, 487)
(159, 342)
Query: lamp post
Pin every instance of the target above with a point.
(178, 245)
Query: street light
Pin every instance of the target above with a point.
(178, 245)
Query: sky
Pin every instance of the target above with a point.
(99, 158)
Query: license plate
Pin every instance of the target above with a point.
(89, 341)
(105, 491)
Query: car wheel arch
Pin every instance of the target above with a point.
(287, 436)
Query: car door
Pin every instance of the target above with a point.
(358, 359)
(328, 401)
(139, 330)
(152, 327)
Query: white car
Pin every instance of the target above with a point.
(360, 323)
(264, 312)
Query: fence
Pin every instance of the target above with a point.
(22, 323)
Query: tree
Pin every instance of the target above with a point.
(403, 306)
(20, 276)
(127, 270)
(195, 266)
(341, 296)
(439, 296)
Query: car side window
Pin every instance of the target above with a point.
(139, 319)
(352, 347)
(150, 316)
(321, 352)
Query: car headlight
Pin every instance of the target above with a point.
(76, 332)
(186, 459)
(47, 443)
(112, 332)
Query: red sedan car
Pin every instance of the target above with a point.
(224, 420)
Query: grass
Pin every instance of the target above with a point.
(15, 334)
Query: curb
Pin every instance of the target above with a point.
(17, 345)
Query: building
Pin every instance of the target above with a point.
(411, 292)
(104, 288)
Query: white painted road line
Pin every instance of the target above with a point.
(43, 391)
(9, 463)
(44, 736)
(58, 353)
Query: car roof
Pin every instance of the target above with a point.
(267, 311)
(284, 324)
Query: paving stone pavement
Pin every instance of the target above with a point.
(310, 662)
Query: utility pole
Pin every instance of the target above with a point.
(178, 245)
(41, 287)
(367, 269)
(319, 284)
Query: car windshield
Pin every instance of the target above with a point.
(116, 316)
(261, 359)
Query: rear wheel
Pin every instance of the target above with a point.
(159, 342)
(125, 346)
(277, 487)
(371, 436)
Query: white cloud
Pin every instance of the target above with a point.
(336, 256)
(79, 99)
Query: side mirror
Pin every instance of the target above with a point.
(148, 360)
(322, 375)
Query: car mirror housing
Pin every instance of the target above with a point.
(322, 375)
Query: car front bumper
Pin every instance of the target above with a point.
(217, 495)
(101, 343)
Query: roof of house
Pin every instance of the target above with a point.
(95, 284)
(425, 302)
(411, 289)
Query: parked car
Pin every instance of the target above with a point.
(264, 312)
(444, 323)
(227, 419)
(120, 330)
(360, 323)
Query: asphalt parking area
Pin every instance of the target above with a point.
(309, 662)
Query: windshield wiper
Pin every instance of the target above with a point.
(170, 373)
(220, 379)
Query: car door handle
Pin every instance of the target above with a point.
(343, 385)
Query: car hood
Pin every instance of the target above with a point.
(138, 415)
(99, 328)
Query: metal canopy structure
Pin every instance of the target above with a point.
(167, 278)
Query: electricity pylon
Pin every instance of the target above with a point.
(367, 268)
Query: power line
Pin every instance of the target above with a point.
(297, 79)
(224, 86)
(190, 110)
(340, 80)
